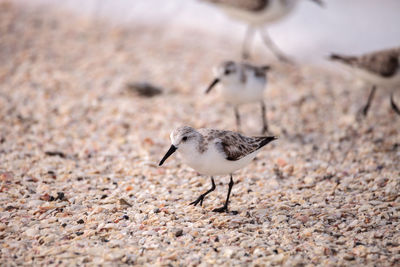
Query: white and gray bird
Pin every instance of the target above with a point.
(379, 68)
(215, 152)
(242, 83)
(258, 14)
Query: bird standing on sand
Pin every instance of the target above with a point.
(258, 14)
(241, 84)
(380, 68)
(215, 152)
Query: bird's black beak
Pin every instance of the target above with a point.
(171, 150)
(319, 2)
(266, 68)
(216, 80)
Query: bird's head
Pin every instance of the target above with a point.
(182, 138)
(224, 72)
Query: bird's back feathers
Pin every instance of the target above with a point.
(384, 63)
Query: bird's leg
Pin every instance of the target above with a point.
(237, 115)
(225, 207)
(369, 101)
(272, 46)
(201, 197)
(393, 104)
(248, 37)
(264, 118)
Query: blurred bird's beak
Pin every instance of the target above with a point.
(171, 150)
(266, 68)
(319, 2)
(216, 80)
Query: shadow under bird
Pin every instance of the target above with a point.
(380, 68)
(215, 152)
(242, 84)
(258, 14)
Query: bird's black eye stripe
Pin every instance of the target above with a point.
(184, 138)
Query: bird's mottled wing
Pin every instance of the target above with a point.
(249, 5)
(236, 148)
(259, 71)
(234, 145)
(384, 63)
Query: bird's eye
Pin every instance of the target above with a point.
(227, 72)
(184, 138)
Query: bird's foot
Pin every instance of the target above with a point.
(225, 209)
(394, 106)
(362, 113)
(199, 199)
(222, 209)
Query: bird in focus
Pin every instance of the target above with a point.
(215, 152)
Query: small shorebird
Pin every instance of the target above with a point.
(241, 84)
(381, 68)
(258, 14)
(215, 152)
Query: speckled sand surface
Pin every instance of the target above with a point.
(326, 193)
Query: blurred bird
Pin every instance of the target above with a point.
(241, 84)
(380, 68)
(215, 152)
(258, 14)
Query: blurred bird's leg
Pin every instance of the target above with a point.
(393, 104)
(248, 37)
(272, 46)
(369, 101)
(264, 118)
(237, 116)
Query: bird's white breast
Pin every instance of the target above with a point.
(212, 161)
(391, 83)
(387, 82)
(237, 92)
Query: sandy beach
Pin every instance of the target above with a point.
(79, 152)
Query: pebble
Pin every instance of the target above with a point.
(178, 232)
(326, 194)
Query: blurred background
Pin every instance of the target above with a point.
(308, 34)
(80, 145)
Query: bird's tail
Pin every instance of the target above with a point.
(265, 68)
(344, 59)
(264, 140)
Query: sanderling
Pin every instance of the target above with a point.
(215, 152)
(380, 68)
(258, 14)
(241, 84)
